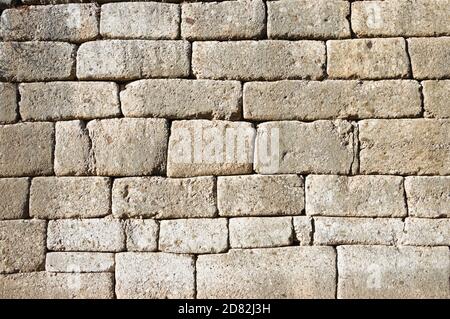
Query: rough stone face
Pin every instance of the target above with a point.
(181, 99)
(79, 262)
(257, 195)
(405, 146)
(26, 149)
(367, 58)
(35, 61)
(294, 272)
(325, 147)
(197, 236)
(142, 234)
(330, 99)
(154, 276)
(393, 272)
(8, 103)
(303, 230)
(22, 246)
(426, 232)
(358, 196)
(201, 147)
(68, 100)
(68, 22)
(13, 198)
(244, 19)
(428, 196)
(69, 197)
(258, 60)
(140, 20)
(297, 19)
(436, 97)
(132, 59)
(164, 197)
(429, 57)
(103, 235)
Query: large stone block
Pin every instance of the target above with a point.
(14, 198)
(428, 196)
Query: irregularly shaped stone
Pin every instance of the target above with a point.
(13, 198)
(429, 57)
(303, 230)
(79, 262)
(428, 196)
(142, 234)
(426, 232)
(8, 103)
(436, 97)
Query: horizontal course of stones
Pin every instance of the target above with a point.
(96, 100)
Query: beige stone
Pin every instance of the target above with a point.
(14, 198)
(436, 97)
(427, 232)
(303, 230)
(142, 234)
(428, 196)
(429, 57)
(8, 103)
(79, 262)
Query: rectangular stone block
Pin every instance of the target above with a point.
(142, 234)
(393, 272)
(367, 59)
(405, 147)
(303, 230)
(14, 198)
(259, 60)
(154, 276)
(26, 149)
(331, 99)
(103, 235)
(436, 96)
(429, 57)
(79, 262)
(294, 272)
(55, 101)
(132, 59)
(426, 232)
(356, 196)
(8, 103)
(164, 198)
(70, 197)
(428, 196)
(257, 195)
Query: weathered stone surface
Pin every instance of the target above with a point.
(197, 236)
(69, 197)
(296, 19)
(259, 232)
(294, 272)
(367, 58)
(13, 198)
(68, 22)
(132, 59)
(303, 230)
(142, 234)
(358, 196)
(405, 146)
(436, 97)
(257, 195)
(129, 146)
(36, 61)
(45, 285)
(154, 276)
(258, 60)
(244, 19)
(330, 99)
(324, 147)
(393, 272)
(68, 100)
(26, 149)
(105, 235)
(426, 232)
(22, 246)
(8, 103)
(429, 57)
(140, 20)
(181, 99)
(79, 262)
(164, 197)
(428, 196)
(201, 147)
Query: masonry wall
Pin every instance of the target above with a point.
(235, 149)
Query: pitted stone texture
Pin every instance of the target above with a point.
(201, 147)
(324, 147)
(228, 20)
(303, 230)
(132, 59)
(102, 235)
(429, 57)
(79, 262)
(164, 197)
(26, 149)
(36, 61)
(181, 99)
(142, 234)
(367, 59)
(294, 272)
(330, 99)
(196, 236)
(129, 146)
(428, 196)
(8, 103)
(358, 196)
(22, 246)
(426, 232)
(296, 19)
(68, 100)
(68, 22)
(436, 97)
(69, 197)
(405, 147)
(154, 276)
(140, 20)
(257, 195)
(393, 272)
(13, 198)
(258, 60)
